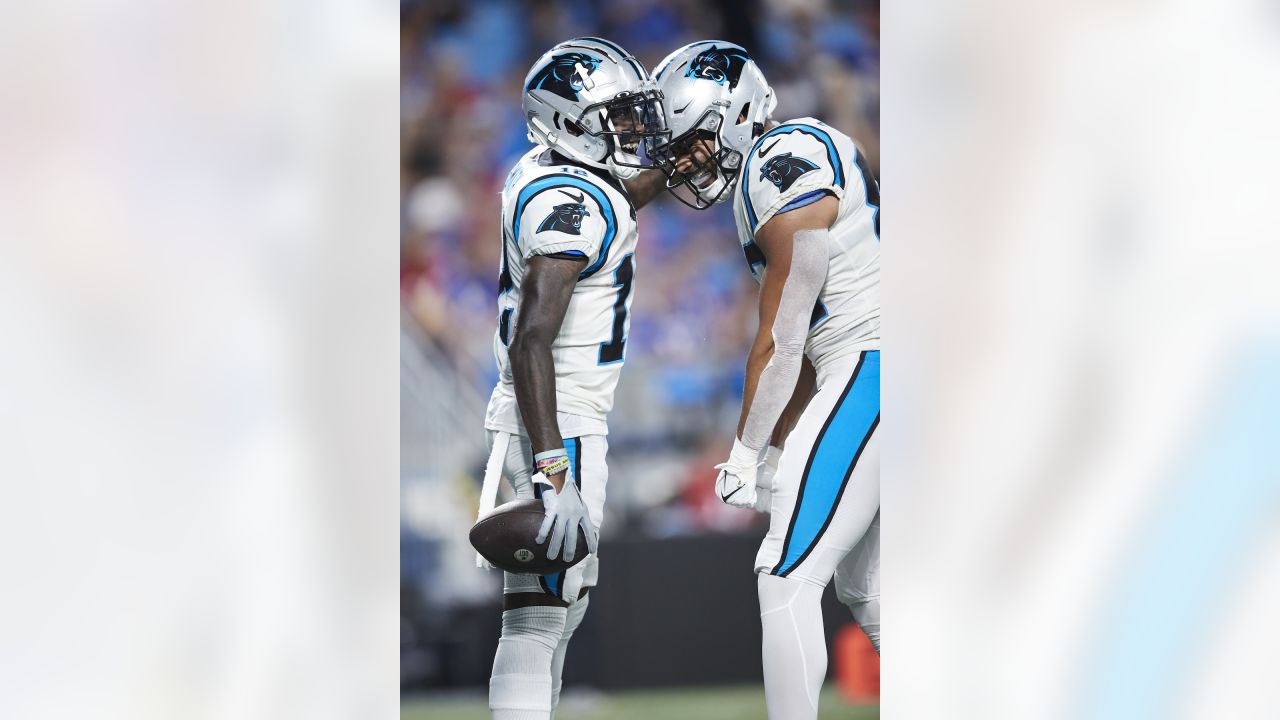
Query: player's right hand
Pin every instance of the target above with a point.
(566, 512)
(736, 483)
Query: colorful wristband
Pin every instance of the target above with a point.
(554, 467)
(551, 462)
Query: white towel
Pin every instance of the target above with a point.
(492, 476)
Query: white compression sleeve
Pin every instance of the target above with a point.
(794, 649)
(810, 256)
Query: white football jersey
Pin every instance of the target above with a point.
(555, 207)
(797, 163)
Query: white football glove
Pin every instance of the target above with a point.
(565, 514)
(764, 480)
(736, 483)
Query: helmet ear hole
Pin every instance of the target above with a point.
(572, 128)
(742, 116)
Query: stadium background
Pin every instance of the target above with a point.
(676, 605)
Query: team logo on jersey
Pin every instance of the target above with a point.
(561, 75)
(566, 218)
(782, 170)
(719, 66)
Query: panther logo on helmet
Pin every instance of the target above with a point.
(782, 170)
(560, 76)
(566, 218)
(719, 65)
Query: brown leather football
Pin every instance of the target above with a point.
(505, 537)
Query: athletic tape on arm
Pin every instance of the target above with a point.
(809, 259)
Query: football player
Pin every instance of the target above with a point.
(806, 449)
(565, 290)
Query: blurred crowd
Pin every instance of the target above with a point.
(462, 67)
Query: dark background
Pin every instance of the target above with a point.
(667, 613)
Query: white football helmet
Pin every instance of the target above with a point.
(712, 91)
(591, 101)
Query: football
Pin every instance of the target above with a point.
(505, 537)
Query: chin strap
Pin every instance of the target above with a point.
(622, 172)
(715, 192)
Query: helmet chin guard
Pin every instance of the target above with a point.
(591, 101)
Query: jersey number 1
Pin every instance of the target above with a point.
(611, 351)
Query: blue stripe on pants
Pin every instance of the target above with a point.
(834, 456)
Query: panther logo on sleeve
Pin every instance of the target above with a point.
(561, 76)
(566, 218)
(718, 65)
(783, 170)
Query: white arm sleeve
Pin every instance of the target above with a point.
(809, 261)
